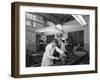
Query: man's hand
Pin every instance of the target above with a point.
(63, 56)
(56, 58)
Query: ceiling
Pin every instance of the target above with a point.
(56, 18)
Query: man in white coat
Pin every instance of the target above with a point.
(48, 57)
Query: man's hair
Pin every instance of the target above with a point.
(63, 41)
(55, 41)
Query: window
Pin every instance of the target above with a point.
(77, 37)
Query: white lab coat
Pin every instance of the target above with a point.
(63, 47)
(48, 57)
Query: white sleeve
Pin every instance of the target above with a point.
(59, 51)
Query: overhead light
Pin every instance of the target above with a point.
(80, 19)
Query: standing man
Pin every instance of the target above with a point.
(48, 57)
(63, 45)
(63, 56)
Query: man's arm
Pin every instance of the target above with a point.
(48, 50)
(59, 51)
